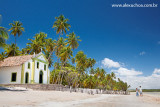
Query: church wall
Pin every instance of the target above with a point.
(29, 70)
(41, 68)
(6, 72)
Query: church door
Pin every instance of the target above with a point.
(40, 77)
(27, 77)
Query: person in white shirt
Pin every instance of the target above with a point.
(140, 90)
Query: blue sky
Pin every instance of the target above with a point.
(128, 36)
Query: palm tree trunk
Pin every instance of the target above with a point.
(57, 81)
(50, 54)
(75, 81)
(61, 69)
(59, 36)
(61, 76)
(54, 77)
(59, 72)
(15, 45)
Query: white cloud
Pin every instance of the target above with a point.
(108, 63)
(126, 72)
(142, 53)
(133, 77)
(156, 71)
(147, 82)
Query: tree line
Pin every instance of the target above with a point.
(76, 71)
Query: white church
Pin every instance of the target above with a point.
(27, 69)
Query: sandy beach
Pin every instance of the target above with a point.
(30, 98)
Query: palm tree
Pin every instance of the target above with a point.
(81, 59)
(119, 80)
(97, 76)
(90, 62)
(59, 45)
(113, 76)
(71, 77)
(50, 60)
(73, 60)
(108, 78)
(102, 74)
(38, 43)
(102, 78)
(61, 25)
(65, 54)
(92, 71)
(81, 63)
(73, 40)
(16, 29)
(54, 72)
(12, 50)
(111, 80)
(3, 36)
(89, 82)
(50, 45)
(2, 56)
(97, 71)
(23, 51)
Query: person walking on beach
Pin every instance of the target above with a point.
(137, 93)
(140, 90)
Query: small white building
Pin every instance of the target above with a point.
(25, 69)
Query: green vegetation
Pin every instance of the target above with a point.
(3, 36)
(76, 71)
(147, 90)
(16, 29)
(151, 90)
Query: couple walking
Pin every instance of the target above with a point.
(139, 91)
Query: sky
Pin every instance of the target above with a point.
(122, 40)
